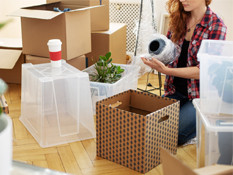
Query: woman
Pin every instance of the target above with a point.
(191, 21)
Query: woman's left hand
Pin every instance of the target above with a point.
(155, 64)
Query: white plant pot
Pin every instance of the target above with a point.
(5, 144)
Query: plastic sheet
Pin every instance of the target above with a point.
(150, 43)
(144, 30)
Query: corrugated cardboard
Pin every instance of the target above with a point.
(11, 59)
(113, 40)
(79, 62)
(171, 165)
(40, 24)
(99, 16)
(130, 134)
(10, 65)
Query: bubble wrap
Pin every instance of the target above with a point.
(162, 48)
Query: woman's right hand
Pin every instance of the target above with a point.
(155, 64)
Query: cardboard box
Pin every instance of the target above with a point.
(99, 16)
(113, 40)
(79, 62)
(40, 24)
(171, 165)
(131, 126)
(11, 59)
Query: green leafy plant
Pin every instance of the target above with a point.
(106, 72)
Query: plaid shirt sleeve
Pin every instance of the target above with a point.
(218, 31)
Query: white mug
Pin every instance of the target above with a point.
(5, 144)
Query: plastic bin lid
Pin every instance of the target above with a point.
(214, 122)
(216, 48)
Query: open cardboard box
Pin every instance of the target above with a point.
(41, 23)
(132, 125)
(11, 59)
(171, 165)
(99, 16)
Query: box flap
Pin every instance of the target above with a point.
(11, 42)
(85, 8)
(38, 14)
(171, 164)
(80, 2)
(8, 58)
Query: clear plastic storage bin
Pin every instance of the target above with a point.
(129, 80)
(215, 138)
(56, 104)
(216, 76)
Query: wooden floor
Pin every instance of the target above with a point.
(78, 157)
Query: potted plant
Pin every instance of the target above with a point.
(5, 136)
(106, 72)
(108, 79)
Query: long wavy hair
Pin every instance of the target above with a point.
(178, 18)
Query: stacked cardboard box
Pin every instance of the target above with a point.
(113, 40)
(83, 30)
(105, 37)
(41, 23)
(99, 16)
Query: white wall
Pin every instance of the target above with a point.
(224, 8)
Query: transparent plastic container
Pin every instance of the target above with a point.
(129, 80)
(56, 104)
(215, 138)
(216, 76)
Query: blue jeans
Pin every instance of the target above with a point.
(187, 118)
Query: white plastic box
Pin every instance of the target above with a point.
(216, 76)
(56, 104)
(215, 138)
(129, 80)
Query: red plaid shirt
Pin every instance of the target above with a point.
(210, 27)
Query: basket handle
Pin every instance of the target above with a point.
(114, 105)
(164, 118)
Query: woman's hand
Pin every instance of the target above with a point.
(183, 72)
(155, 64)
